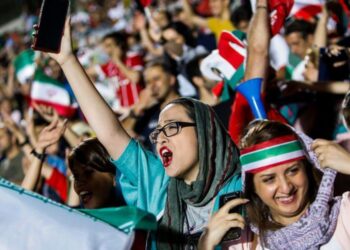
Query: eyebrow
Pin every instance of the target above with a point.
(166, 122)
(273, 174)
(293, 166)
(266, 175)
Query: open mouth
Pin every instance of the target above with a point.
(166, 155)
(286, 200)
(85, 196)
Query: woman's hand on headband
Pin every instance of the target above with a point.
(220, 223)
(332, 155)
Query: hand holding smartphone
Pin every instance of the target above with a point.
(51, 25)
(233, 233)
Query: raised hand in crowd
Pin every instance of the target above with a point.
(50, 114)
(139, 23)
(48, 136)
(51, 134)
(46, 112)
(73, 199)
(13, 128)
(332, 155)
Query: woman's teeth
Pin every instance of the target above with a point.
(286, 199)
(167, 156)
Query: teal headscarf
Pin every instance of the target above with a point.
(218, 163)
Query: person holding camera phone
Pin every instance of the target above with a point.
(196, 162)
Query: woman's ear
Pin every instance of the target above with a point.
(114, 182)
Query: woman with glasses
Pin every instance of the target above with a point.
(196, 162)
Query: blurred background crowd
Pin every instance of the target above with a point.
(142, 58)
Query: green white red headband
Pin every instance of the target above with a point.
(271, 153)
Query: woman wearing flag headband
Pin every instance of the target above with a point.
(288, 208)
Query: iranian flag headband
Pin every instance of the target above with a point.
(268, 154)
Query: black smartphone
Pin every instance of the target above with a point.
(233, 233)
(52, 17)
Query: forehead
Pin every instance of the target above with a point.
(173, 112)
(108, 42)
(152, 71)
(279, 169)
(170, 32)
(294, 36)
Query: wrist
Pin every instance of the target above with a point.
(23, 141)
(39, 153)
(67, 59)
(204, 242)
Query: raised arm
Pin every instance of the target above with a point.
(48, 136)
(98, 114)
(258, 42)
(320, 39)
(147, 43)
(191, 17)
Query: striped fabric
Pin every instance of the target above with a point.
(271, 153)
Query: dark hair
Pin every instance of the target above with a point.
(119, 38)
(91, 153)
(303, 27)
(188, 105)
(159, 63)
(242, 13)
(193, 68)
(184, 31)
(258, 212)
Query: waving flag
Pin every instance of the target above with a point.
(48, 91)
(30, 221)
(306, 9)
(25, 66)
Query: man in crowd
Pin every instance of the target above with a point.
(161, 88)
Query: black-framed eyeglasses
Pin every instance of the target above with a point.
(170, 129)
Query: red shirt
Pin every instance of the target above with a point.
(126, 91)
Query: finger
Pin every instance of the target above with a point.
(52, 125)
(234, 216)
(233, 203)
(67, 25)
(319, 142)
(63, 126)
(233, 224)
(318, 151)
(37, 107)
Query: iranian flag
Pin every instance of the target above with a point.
(25, 66)
(31, 221)
(306, 9)
(48, 91)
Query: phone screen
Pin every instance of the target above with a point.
(233, 233)
(51, 24)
